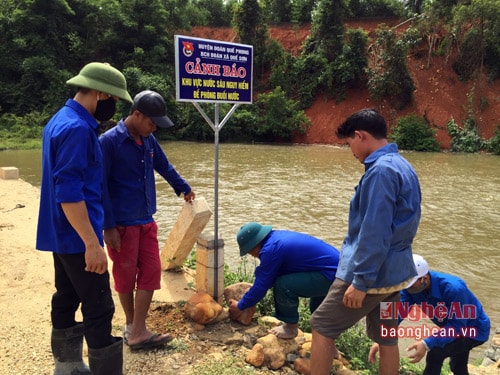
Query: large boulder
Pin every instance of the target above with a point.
(202, 308)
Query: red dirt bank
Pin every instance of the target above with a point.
(439, 94)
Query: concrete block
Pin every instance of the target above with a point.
(9, 173)
(190, 223)
(207, 257)
(205, 280)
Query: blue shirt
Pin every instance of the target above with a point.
(129, 189)
(384, 214)
(71, 172)
(461, 312)
(284, 252)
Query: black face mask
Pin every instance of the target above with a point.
(105, 109)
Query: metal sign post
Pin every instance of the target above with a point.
(219, 72)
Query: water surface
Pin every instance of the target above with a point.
(308, 188)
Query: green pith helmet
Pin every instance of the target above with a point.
(102, 77)
(250, 235)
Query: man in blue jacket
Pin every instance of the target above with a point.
(131, 155)
(461, 321)
(294, 264)
(376, 255)
(70, 223)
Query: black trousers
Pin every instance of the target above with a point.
(458, 352)
(75, 286)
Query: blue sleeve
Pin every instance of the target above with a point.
(377, 202)
(107, 148)
(265, 276)
(167, 170)
(70, 163)
(453, 295)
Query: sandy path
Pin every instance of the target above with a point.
(26, 275)
(27, 279)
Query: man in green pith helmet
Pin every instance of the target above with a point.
(70, 224)
(294, 264)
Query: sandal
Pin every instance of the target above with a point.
(126, 332)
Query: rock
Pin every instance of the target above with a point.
(302, 366)
(495, 340)
(256, 357)
(345, 371)
(274, 357)
(276, 350)
(202, 308)
(246, 316)
(222, 316)
(305, 349)
(269, 321)
(484, 370)
(236, 291)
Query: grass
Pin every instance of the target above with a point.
(20, 144)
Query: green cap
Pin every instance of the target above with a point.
(102, 77)
(250, 235)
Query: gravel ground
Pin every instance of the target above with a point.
(26, 276)
(27, 279)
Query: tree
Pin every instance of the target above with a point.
(413, 133)
(389, 76)
(478, 26)
(349, 68)
(327, 28)
(274, 117)
(251, 27)
(33, 52)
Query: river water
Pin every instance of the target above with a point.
(308, 188)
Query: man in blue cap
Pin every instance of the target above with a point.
(294, 264)
(131, 155)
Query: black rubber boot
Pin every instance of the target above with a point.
(107, 360)
(67, 346)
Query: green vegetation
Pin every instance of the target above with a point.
(467, 138)
(45, 42)
(493, 145)
(354, 343)
(21, 132)
(389, 76)
(413, 133)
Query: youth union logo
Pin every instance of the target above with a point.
(187, 48)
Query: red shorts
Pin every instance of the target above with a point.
(138, 261)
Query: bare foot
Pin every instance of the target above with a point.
(285, 331)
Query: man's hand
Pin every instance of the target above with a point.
(372, 355)
(96, 259)
(95, 256)
(234, 311)
(189, 197)
(112, 238)
(353, 298)
(420, 351)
